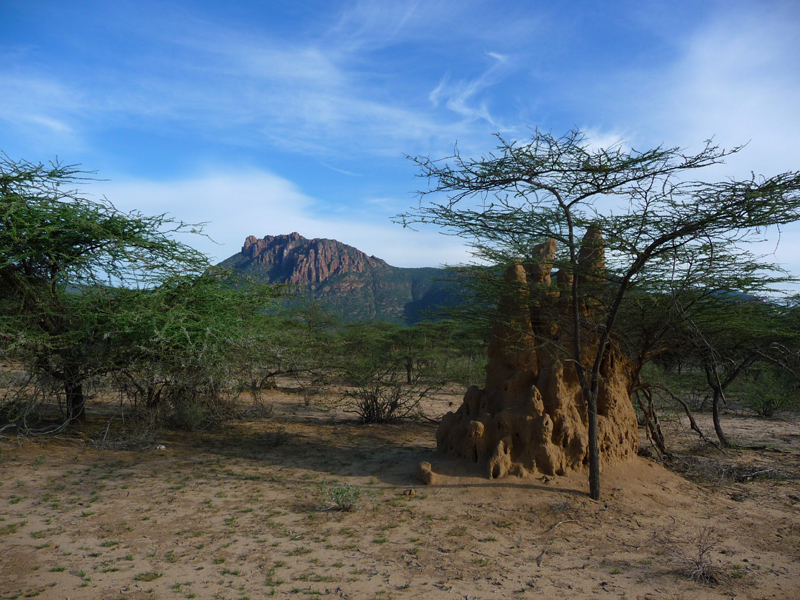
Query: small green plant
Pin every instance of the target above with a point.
(11, 528)
(344, 497)
(767, 391)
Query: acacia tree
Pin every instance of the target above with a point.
(728, 337)
(636, 206)
(177, 347)
(64, 260)
(723, 327)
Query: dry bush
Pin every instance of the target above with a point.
(694, 555)
(279, 437)
(709, 471)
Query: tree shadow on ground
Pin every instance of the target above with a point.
(336, 450)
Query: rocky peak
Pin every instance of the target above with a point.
(294, 259)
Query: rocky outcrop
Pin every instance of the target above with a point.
(298, 260)
(531, 416)
(341, 278)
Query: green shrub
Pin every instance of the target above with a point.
(344, 497)
(767, 391)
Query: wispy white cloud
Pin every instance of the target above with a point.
(461, 96)
(365, 25)
(41, 110)
(303, 98)
(233, 204)
(597, 138)
(327, 90)
(736, 81)
(733, 78)
(342, 171)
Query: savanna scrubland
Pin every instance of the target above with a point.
(171, 429)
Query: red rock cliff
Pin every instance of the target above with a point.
(303, 261)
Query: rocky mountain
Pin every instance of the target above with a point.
(343, 279)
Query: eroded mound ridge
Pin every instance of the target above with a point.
(531, 416)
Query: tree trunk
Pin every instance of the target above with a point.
(723, 441)
(594, 449)
(713, 381)
(76, 401)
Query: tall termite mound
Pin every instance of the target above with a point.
(531, 416)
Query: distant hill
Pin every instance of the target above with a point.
(343, 279)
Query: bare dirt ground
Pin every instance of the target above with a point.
(247, 512)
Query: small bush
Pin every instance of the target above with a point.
(381, 396)
(345, 497)
(693, 555)
(190, 416)
(279, 437)
(699, 566)
(767, 391)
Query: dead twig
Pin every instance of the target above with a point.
(561, 523)
(540, 558)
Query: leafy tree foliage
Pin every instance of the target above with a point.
(390, 369)
(715, 338)
(87, 290)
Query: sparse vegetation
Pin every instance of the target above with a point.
(343, 497)
(695, 555)
(192, 349)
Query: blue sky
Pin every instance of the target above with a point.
(271, 117)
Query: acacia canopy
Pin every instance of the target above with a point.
(86, 289)
(657, 227)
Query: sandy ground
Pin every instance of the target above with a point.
(248, 512)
